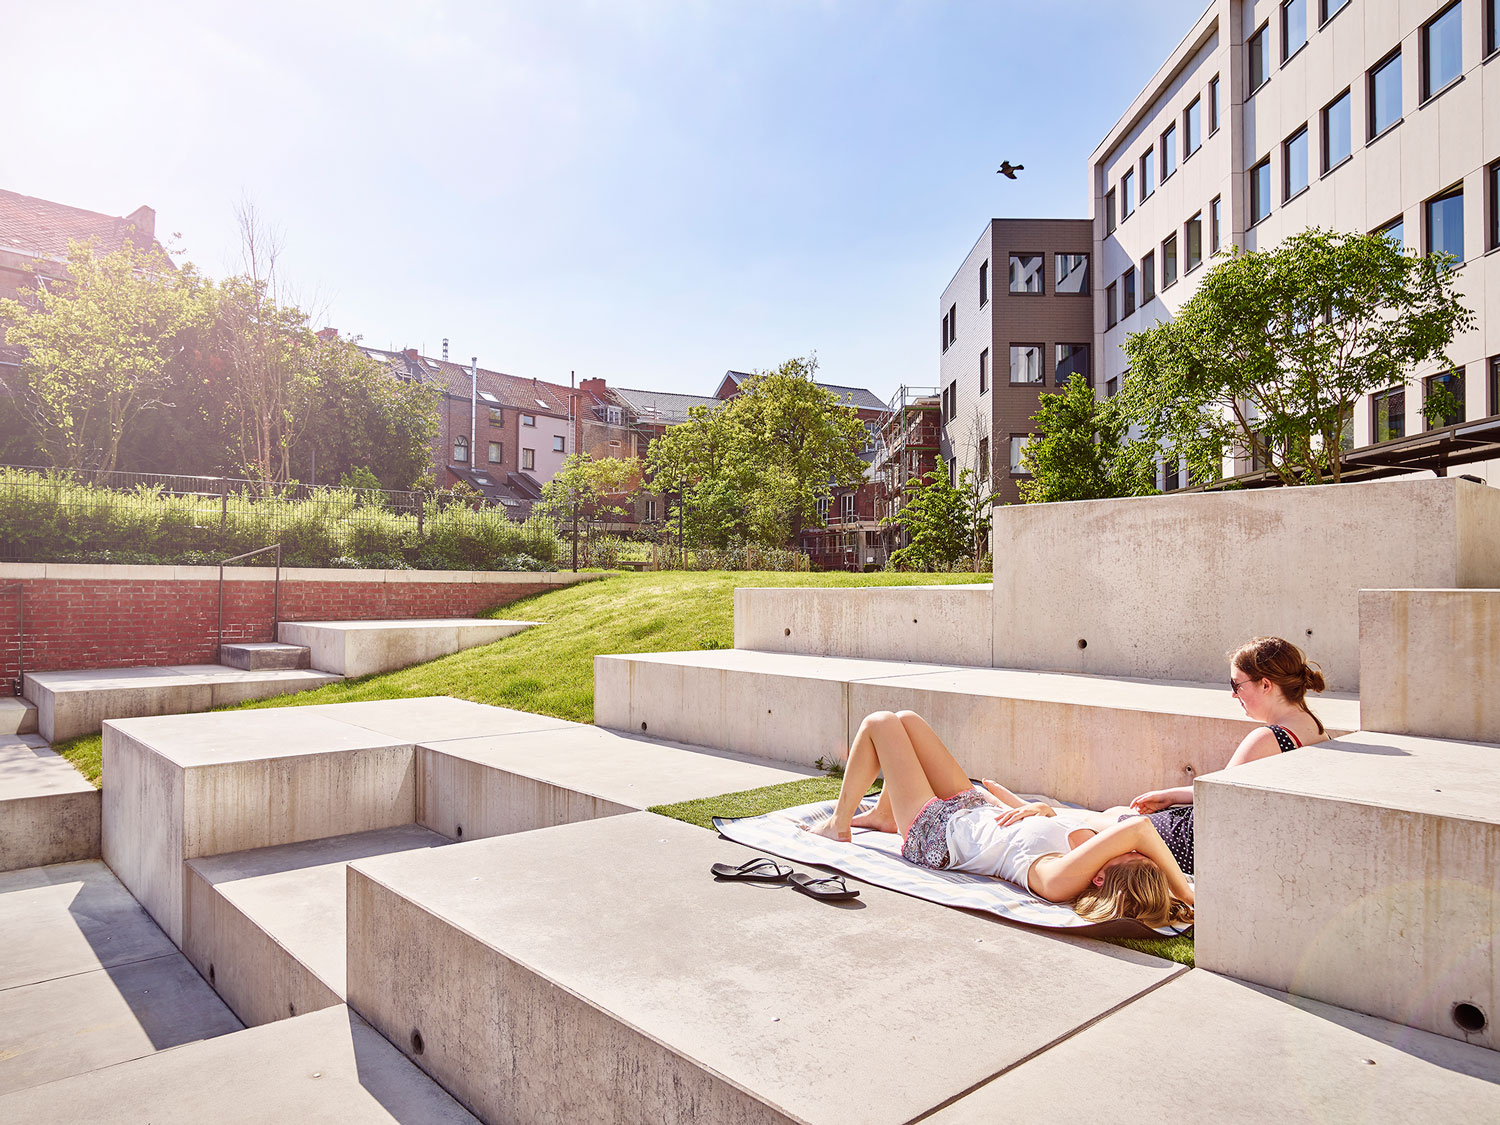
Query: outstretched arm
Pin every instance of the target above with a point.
(1062, 878)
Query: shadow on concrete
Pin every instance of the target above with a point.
(402, 1088)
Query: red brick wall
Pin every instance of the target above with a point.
(123, 622)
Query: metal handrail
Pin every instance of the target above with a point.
(275, 594)
(19, 590)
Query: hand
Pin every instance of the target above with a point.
(1033, 808)
(1154, 801)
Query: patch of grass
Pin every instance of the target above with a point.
(1179, 949)
(84, 752)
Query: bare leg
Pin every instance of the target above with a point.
(880, 818)
(944, 774)
(881, 746)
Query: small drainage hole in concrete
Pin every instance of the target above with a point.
(291, 1009)
(1082, 643)
(788, 632)
(1470, 1018)
(210, 974)
(643, 726)
(417, 1046)
(459, 832)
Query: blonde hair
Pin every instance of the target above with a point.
(1136, 888)
(1281, 662)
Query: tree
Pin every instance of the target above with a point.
(1082, 449)
(1269, 357)
(98, 351)
(942, 520)
(587, 489)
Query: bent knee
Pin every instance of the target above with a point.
(879, 718)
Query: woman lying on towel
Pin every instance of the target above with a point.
(1270, 678)
(1118, 870)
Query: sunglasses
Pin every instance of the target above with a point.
(1235, 685)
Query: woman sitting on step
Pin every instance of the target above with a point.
(1271, 678)
(1115, 870)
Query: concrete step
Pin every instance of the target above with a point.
(17, 715)
(88, 981)
(621, 982)
(265, 927)
(256, 656)
(1311, 1063)
(328, 1066)
(361, 648)
(70, 704)
(49, 812)
(1363, 872)
(1094, 740)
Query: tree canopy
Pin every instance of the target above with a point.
(1082, 449)
(945, 522)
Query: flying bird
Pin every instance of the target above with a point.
(1009, 170)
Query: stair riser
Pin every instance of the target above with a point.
(17, 716)
(255, 660)
(54, 828)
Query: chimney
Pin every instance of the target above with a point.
(595, 387)
(328, 333)
(445, 349)
(411, 353)
(144, 220)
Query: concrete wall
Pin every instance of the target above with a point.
(932, 624)
(1426, 658)
(1164, 586)
(86, 616)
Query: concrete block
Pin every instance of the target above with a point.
(1426, 658)
(329, 1066)
(1096, 741)
(185, 786)
(265, 927)
(596, 972)
(1363, 872)
(1163, 586)
(931, 624)
(49, 812)
(17, 715)
(782, 707)
(75, 1024)
(253, 657)
(360, 648)
(1235, 1052)
(478, 787)
(435, 718)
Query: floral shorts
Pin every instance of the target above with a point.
(926, 842)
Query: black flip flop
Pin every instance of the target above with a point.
(757, 870)
(831, 888)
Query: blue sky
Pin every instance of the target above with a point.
(646, 191)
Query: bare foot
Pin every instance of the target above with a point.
(881, 820)
(828, 828)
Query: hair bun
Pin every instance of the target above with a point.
(1312, 677)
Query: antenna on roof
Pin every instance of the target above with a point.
(445, 349)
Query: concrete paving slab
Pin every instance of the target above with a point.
(185, 786)
(17, 715)
(1373, 883)
(266, 927)
(596, 971)
(49, 812)
(477, 787)
(361, 648)
(319, 1069)
(1208, 1048)
(75, 1024)
(433, 718)
(71, 918)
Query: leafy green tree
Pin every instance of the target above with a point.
(1271, 354)
(944, 522)
(1082, 449)
(99, 351)
(585, 490)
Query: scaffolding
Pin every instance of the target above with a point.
(908, 445)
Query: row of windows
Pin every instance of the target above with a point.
(1294, 36)
(497, 451)
(497, 417)
(1026, 368)
(1184, 248)
(1162, 157)
(1070, 277)
(1388, 408)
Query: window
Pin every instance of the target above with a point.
(1385, 94)
(1112, 387)
(1147, 179)
(1388, 414)
(1127, 195)
(1442, 50)
(1026, 273)
(1293, 27)
(1110, 319)
(1491, 27)
(1192, 127)
(1109, 211)
(984, 370)
(650, 511)
(528, 419)
(1495, 385)
(1213, 105)
(1070, 273)
(984, 284)
(1026, 363)
(1017, 451)
(846, 506)
(1260, 58)
(1332, 8)
(559, 444)
(461, 449)
(1171, 477)
(1492, 176)
(1337, 132)
(1169, 261)
(953, 400)
(952, 323)
(823, 508)
(1072, 359)
(1169, 151)
(1294, 164)
(1395, 230)
(1127, 289)
(613, 415)
(1148, 277)
(528, 459)
(984, 458)
(1260, 191)
(497, 452)
(1445, 224)
(1193, 236)
(1453, 383)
